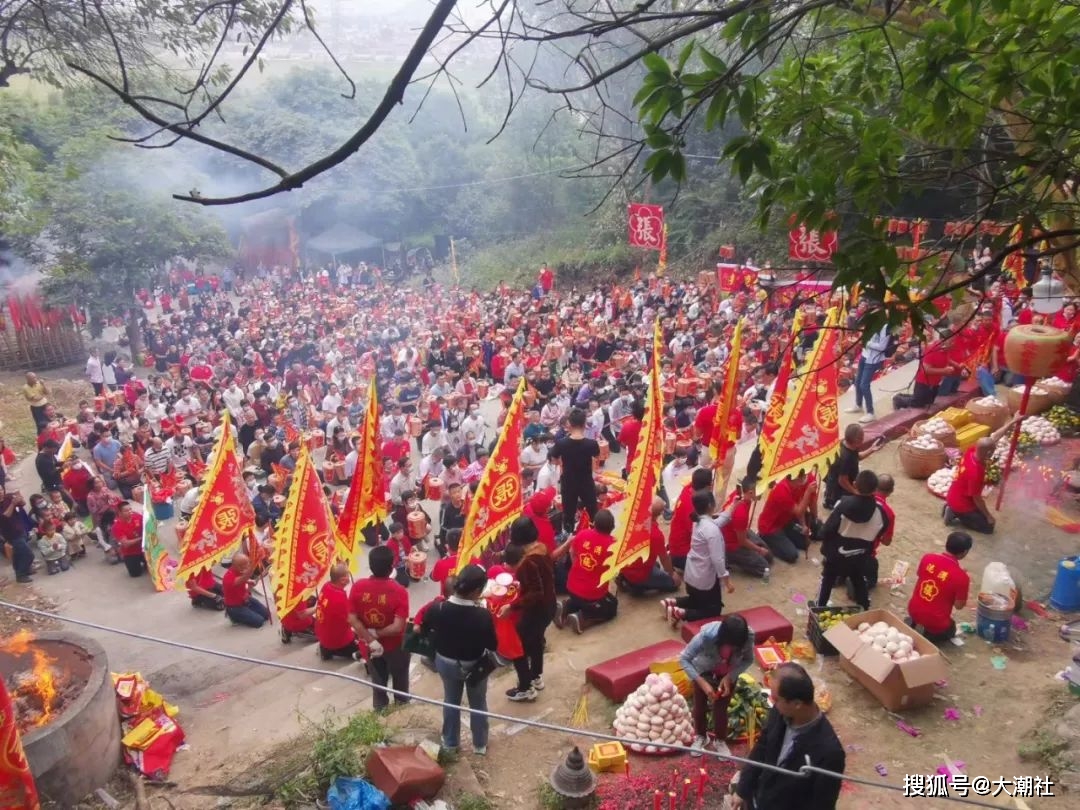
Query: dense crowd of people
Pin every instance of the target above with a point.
(291, 356)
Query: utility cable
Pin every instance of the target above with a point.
(804, 771)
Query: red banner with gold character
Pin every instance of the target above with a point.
(808, 436)
(17, 789)
(304, 541)
(633, 524)
(730, 277)
(498, 499)
(365, 504)
(778, 400)
(722, 440)
(645, 225)
(223, 514)
(811, 245)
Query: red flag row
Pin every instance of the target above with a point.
(30, 312)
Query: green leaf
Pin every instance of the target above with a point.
(657, 64)
(684, 55)
(713, 62)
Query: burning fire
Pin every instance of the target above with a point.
(34, 689)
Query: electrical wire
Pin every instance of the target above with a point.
(803, 772)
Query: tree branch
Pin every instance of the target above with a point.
(394, 95)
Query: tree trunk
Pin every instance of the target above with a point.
(131, 326)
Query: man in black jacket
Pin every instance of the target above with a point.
(796, 734)
(848, 539)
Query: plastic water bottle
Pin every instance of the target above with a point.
(765, 576)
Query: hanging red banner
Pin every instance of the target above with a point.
(17, 790)
(730, 277)
(749, 277)
(811, 245)
(645, 225)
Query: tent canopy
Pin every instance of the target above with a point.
(341, 238)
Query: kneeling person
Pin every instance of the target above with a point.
(336, 636)
(591, 601)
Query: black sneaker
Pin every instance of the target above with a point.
(24, 579)
(286, 636)
(521, 695)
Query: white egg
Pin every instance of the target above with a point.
(913, 655)
(891, 647)
(864, 626)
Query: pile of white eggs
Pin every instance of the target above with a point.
(655, 712)
(1043, 430)
(924, 442)
(940, 481)
(888, 641)
(935, 426)
(1037, 391)
(989, 402)
(1054, 382)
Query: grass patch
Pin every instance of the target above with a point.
(335, 750)
(550, 800)
(471, 801)
(1044, 746)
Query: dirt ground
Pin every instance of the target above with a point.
(237, 716)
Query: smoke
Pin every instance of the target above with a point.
(16, 276)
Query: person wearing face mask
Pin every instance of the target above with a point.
(474, 424)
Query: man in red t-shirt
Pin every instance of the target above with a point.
(335, 635)
(682, 526)
(655, 572)
(743, 549)
(378, 610)
(934, 366)
(240, 606)
(964, 502)
(547, 279)
(785, 523)
(941, 586)
(127, 532)
(205, 591)
(591, 602)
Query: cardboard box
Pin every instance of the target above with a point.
(896, 686)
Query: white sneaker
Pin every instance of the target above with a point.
(719, 747)
(853, 409)
(698, 747)
(538, 683)
(867, 419)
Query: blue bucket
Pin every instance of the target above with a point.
(163, 511)
(993, 621)
(1066, 593)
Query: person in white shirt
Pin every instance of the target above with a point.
(434, 466)
(474, 424)
(402, 481)
(595, 423)
(534, 455)
(352, 458)
(442, 387)
(332, 401)
(547, 475)
(188, 408)
(391, 423)
(94, 372)
(234, 400)
(340, 420)
(433, 439)
(154, 413)
(183, 449)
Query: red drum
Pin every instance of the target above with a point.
(329, 472)
(605, 450)
(415, 425)
(416, 565)
(99, 404)
(685, 387)
(482, 389)
(669, 394)
(418, 525)
(684, 445)
(117, 398)
(434, 488)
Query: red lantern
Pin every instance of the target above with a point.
(727, 251)
(1035, 350)
(903, 225)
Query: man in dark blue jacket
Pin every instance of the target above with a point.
(796, 733)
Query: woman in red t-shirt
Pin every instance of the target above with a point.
(591, 602)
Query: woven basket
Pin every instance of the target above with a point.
(921, 464)
(946, 437)
(1041, 400)
(993, 416)
(1057, 393)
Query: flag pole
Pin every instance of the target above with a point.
(266, 596)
